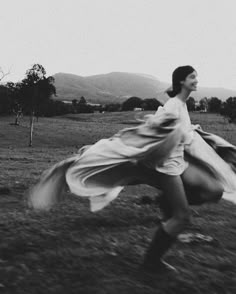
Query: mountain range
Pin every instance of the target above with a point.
(116, 87)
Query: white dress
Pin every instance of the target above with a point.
(160, 143)
(175, 164)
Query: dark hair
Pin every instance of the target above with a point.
(179, 75)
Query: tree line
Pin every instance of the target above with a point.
(131, 103)
(34, 95)
(214, 105)
(31, 96)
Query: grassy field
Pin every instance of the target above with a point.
(71, 250)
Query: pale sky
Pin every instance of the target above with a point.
(87, 37)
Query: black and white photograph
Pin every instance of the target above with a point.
(118, 147)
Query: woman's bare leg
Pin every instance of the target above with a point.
(166, 233)
(173, 189)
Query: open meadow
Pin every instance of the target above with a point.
(72, 250)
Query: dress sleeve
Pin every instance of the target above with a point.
(172, 107)
(166, 115)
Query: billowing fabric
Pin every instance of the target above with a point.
(175, 164)
(95, 171)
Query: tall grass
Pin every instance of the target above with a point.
(71, 250)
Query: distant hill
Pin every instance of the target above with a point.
(116, 87)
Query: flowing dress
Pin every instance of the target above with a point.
(163, 142)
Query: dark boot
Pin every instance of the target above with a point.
(160, 244)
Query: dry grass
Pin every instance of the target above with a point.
(71, 250)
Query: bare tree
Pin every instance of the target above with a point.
(3, 74)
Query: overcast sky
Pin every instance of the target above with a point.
(87, 37)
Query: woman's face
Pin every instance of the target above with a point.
(190, 83)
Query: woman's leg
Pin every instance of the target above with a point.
(200, 186)
(174, 192)
(144, 175)
(167, 232)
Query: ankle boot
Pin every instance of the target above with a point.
(160, 244)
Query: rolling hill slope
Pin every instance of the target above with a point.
(116, 87)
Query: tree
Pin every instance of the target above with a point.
(229, 109)
(83, 106)
(5, 98)
(36, 91)
(14, 94)
(113, 107)
(150, 104)
(203, 104)
(191, 104)
(3, 74)
(44, 90)
(82, 101)
(5, 101)
(74, 105)
(55, 107)
(9, 103)
(132, 103)
(214, 105)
